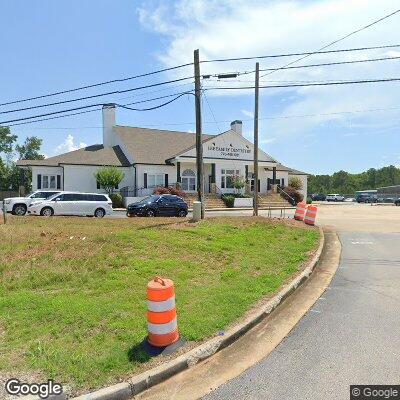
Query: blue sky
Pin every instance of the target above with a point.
(52, 45)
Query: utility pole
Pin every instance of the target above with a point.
(257, 89)
(199, 141)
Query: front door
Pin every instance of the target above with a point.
(227, 180)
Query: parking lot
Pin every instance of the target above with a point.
(354, 217)
(350, 217)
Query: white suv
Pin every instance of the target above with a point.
(73, 203)
(334, 197)
(19, 205)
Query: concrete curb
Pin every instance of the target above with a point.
(147, 379)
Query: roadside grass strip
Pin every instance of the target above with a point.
(72, 290)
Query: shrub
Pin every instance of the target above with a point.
(295, 196)
(309, 200)
(109, 178)
(117, 201)
(169, 190)
(295, 182)
(177, 192)
(161, 190)
(228, 200)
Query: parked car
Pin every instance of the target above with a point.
(318, 197)
(19, 205)
(334, 197)
(397, 202)
(366, 198)
(158, 206)
(349, 199)
(73, 203)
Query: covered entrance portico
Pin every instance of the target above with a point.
(220, 176)
(228, 160)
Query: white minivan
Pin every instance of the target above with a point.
(73, 203)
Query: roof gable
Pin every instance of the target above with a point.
(228, 145)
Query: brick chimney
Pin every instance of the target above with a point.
(108, 125)
(237, 126)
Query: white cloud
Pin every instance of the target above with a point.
(68, 145)
(268, 141)
(247, 113)
(229, 28)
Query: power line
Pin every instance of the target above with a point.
(88, 111)
(95, 96)
(214, 120)
(208, 88)
(57, 117)
(180, 79)
(326, 64)
(96, 85)
(189, 64)
(155, 107)
(337, 41)
(391, 46)
(306, 84)
(95, 105)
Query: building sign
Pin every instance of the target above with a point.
(236, 152)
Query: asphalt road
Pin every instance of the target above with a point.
(351, 334)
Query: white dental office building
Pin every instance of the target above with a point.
(152, 157)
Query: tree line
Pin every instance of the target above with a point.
(345, 183)
(10, 150)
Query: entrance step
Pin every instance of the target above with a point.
(210, 201)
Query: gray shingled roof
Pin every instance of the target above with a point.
(154, 146)
(91, 155)
(146, 146)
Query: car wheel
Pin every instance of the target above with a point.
(19, 209)
(47, 212)
(182, 213)
(151, 213)
(99, 213)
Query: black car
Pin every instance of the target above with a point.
(367, 198)
(318, 197)
(165, 205)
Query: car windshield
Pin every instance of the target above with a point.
(147, 200)
(41, 195)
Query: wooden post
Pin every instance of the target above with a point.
(4, 213)
(256, 95)
(199, 141)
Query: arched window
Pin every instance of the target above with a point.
(188, 180)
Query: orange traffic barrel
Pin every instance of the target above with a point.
(311, 214)
(300, 211)
(161, 315)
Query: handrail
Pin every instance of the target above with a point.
(292, 200)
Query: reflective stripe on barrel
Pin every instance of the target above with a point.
(311, 214)
(300, 210)
(161, 315)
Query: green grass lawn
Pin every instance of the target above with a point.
(73, 290)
